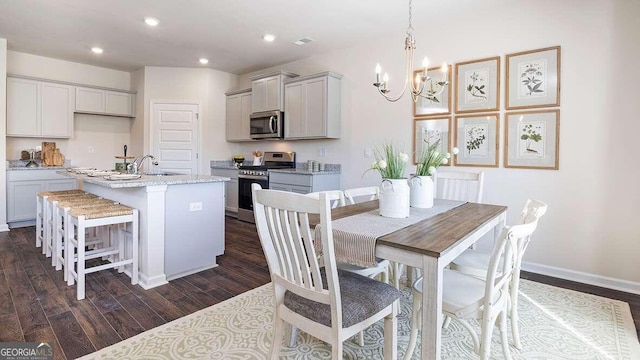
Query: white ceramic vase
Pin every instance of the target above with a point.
(422, 188)
(257, 160)
(394, 198)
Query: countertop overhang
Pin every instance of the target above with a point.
(146, 180)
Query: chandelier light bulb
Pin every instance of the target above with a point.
(425, 62)
(385, 78)
(418, 80)
(378, 70)
(444, 67)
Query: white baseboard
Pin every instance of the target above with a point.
(148, 283)
(4, 227)
(591, 279)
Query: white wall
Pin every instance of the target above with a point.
(590, 232)
(203, 85)
(106, 134)
(3, 132)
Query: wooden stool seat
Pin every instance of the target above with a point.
(42, 215)
(116, 217)
(61, 219)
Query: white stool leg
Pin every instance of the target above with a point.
(39, 217)
(57, 257)
(70, 250)
(81, 261)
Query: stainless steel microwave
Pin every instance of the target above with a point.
(268, 124)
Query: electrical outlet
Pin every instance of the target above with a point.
(367, 153)
(196, 206)
(91, 149)
(322, 152)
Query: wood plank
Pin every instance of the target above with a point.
(6, 303)
(50, 299)
(123, 323)
(28, 307)
(46, 334)
(194, 293)
(144, 315)
(10, 330)
(71, 336)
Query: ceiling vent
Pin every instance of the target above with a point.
(303, 41)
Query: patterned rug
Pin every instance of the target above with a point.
(555, 324)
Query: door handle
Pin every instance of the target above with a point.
(271, 124)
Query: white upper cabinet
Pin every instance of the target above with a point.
(238, 111)
(106, 102)
(39, 109)
(267, 91)
(313, 106)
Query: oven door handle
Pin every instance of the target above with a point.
(272, 121)
(253, 177)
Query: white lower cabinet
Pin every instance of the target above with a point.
(230, 189)
(303, 183)
(22, 187)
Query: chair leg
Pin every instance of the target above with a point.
(390, 350)
(336, 349)
(513, 312)
(416, 320)
(503, 335)
(361, 338)
(278, 331)
(446, 322)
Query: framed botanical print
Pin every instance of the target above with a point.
(477, 140)
(533, 79)
(532, 139)
(429, 131)
(434, 102)
(478, 85)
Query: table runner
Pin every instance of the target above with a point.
(354, 237)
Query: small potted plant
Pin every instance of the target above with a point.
(394, 190)
(421, 183)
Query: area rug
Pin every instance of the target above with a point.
(555, 324)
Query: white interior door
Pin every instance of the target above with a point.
(175, 136)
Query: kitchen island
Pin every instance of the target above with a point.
(181, 220)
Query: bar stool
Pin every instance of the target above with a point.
(41, 199)
(51, 213)
(84, 218)
(61, 218)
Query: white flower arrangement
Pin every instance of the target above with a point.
(390, 162)
(430, 159)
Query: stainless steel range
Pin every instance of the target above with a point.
(259, 174)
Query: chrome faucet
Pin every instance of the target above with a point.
(136, 165)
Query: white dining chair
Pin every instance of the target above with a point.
(324, 301)
(486, 300)
(336, 197)
(459, 185)
(476, 263)
(367, 193)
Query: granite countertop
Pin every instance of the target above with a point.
(304, 171)
(225, 164)
(22, 165)
(146, 180)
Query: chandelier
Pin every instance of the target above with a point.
(418, 87)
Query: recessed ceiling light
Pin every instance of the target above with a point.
(151, 21)
(97, 50)
(203, 61)
(268, 37)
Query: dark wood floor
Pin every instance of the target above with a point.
(36, 304)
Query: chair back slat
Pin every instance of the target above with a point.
(336, 197)
(369, 193)
(460, 185)
(282, 220)
(504, 258)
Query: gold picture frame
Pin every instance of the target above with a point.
(532, 140)
(478, 85)
(533, 79)
(441, 104)
(477, 137)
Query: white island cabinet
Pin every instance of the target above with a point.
(181, 221)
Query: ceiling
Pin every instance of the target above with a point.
(227, 32)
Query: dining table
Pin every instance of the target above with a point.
(430, 245)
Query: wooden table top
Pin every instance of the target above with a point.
(432, 236)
